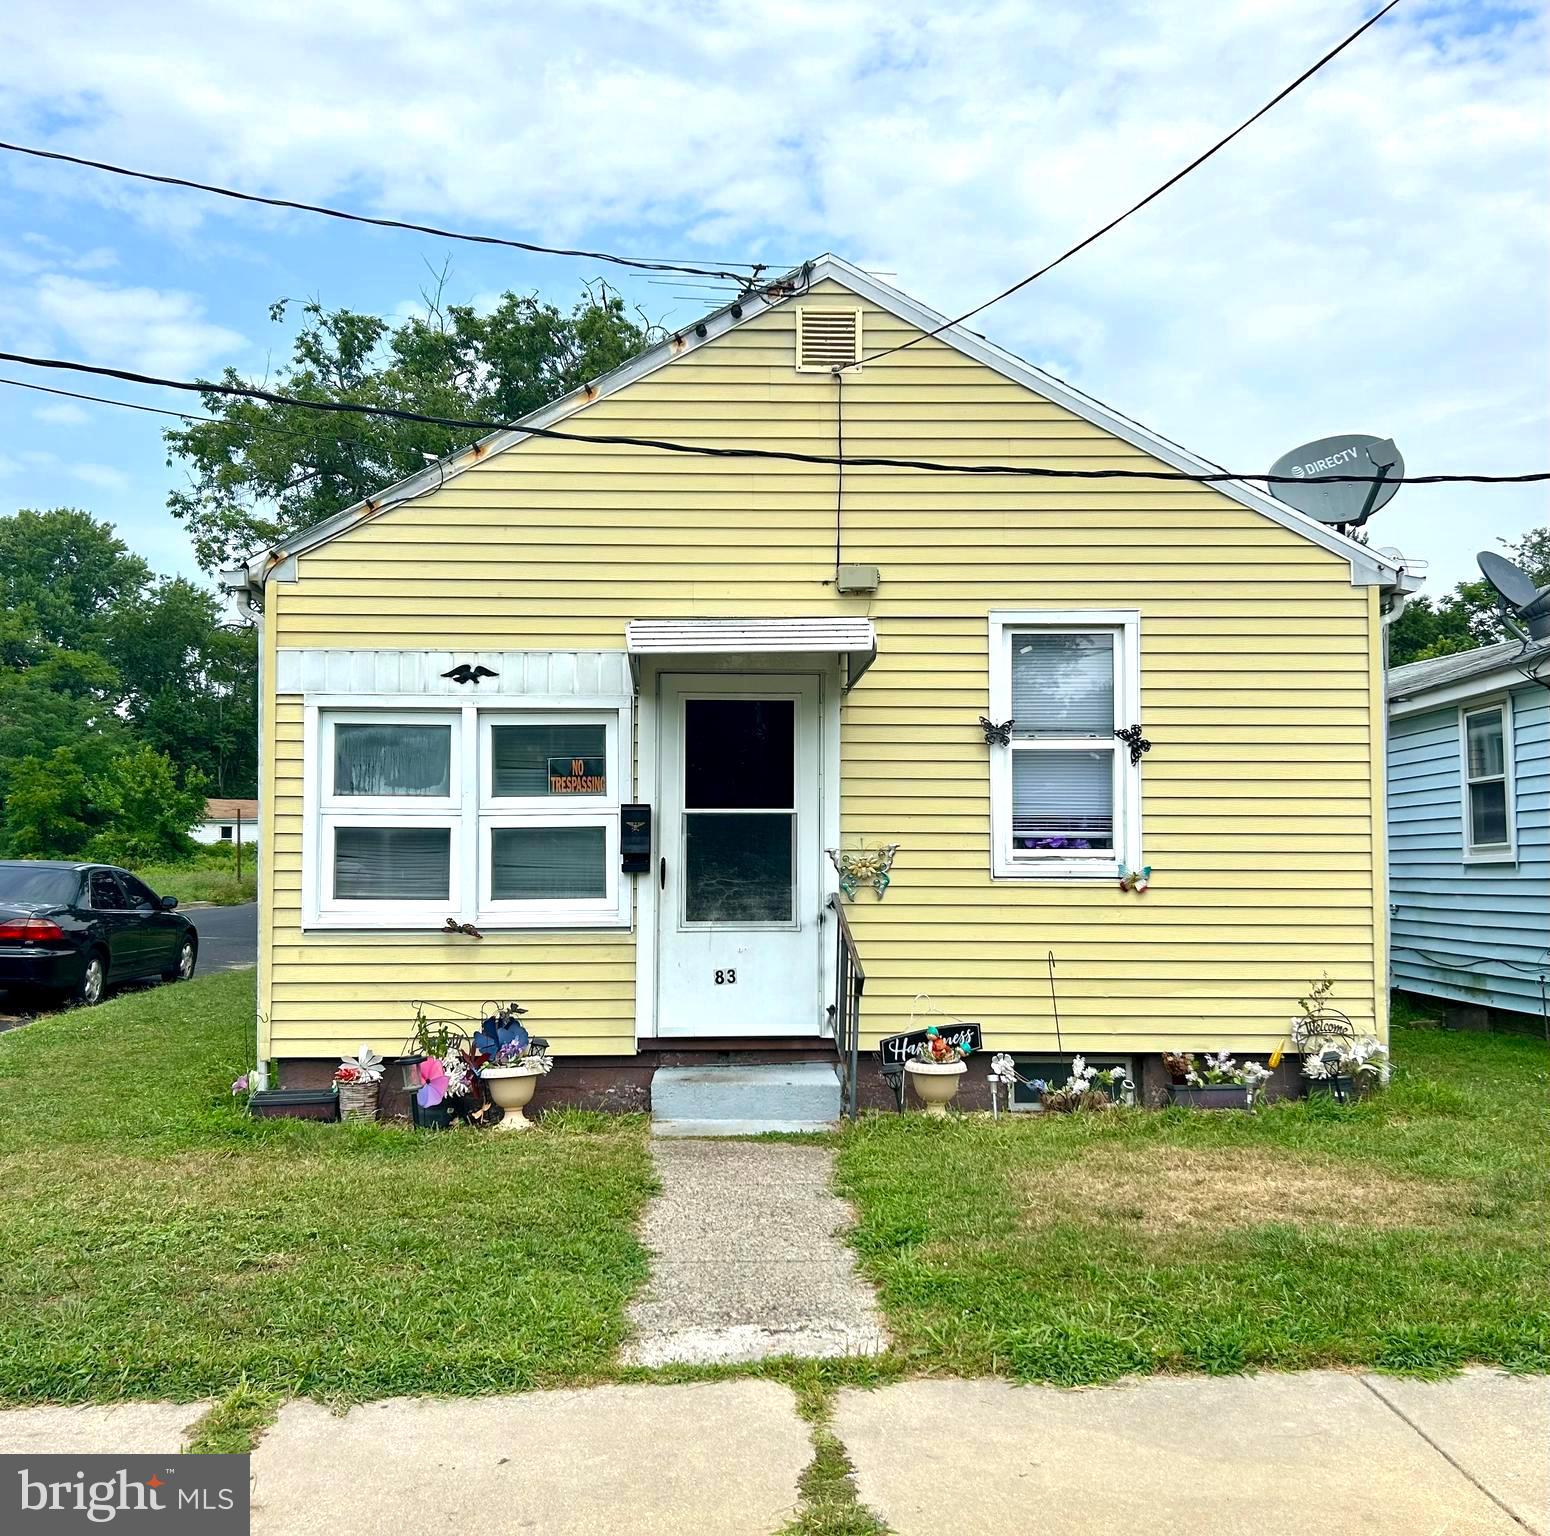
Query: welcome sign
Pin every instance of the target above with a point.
(578, 776)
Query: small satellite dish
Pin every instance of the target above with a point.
(1520, 598)
(1348, 503)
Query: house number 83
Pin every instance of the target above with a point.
(726, 978)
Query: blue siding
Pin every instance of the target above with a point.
(1476, 933)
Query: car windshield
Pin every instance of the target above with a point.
(30, 885)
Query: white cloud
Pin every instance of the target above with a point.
(62, 414)
(146, 329)
(1369, 256)
(103, 476)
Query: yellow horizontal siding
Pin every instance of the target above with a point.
(1258, 669)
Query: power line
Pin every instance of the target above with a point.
(382, 223)
(128, 405)
(1157, 192)
(707, 450)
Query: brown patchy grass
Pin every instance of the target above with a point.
(1164, 1191)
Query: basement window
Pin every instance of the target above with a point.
(1056, 1071)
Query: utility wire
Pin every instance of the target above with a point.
(1157, 192)
(382, 223)
(706, 450)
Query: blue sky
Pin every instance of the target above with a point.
(1370, 257)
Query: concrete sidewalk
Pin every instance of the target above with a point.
(1315, 1454)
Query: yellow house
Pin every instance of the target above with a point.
(610, 705)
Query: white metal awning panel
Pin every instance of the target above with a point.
(853, 638)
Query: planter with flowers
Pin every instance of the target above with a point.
(511, 1062)
(441, 1070)
(936, 1069)
(1087, 1088)
(357, 1080)
(1335, 1059)
(1213, 1080)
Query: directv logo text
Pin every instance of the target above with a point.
(168, 1495)
(1320, 466)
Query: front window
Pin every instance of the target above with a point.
(1487, 762)
(498, 816)
(1064, 795)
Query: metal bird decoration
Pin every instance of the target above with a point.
(463, 673)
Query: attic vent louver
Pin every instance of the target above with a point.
(828, 339)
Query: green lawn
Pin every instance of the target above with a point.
(156, 1242)
(1407, 1233)
(204, 882)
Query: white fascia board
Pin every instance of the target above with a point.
(1368, 567)
(1485, 684)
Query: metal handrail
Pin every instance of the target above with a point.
(849, 983)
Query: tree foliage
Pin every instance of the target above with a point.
(260, 471)
(1468, 616)
(122, 696)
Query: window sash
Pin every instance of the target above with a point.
(547, 804)
(1122, 628)
(394, 804)
(605, 906)
(1505, 847)
(394, 906)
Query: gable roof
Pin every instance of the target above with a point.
(1465, 674)
(1368, 566)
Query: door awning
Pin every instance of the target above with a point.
(854, 639)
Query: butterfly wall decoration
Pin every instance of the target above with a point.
(863, 866)
(1132, 737)
(997, 735)
(1135, 880)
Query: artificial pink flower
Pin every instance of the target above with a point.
(433, 1080)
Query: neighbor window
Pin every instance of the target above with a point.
(495, 816)
(1065, 798)
(1486, 746)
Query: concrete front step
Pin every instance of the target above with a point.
(744, 1101)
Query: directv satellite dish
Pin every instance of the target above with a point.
(1519, 597)
(1348, 503)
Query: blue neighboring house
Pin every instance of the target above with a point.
(1469, 830)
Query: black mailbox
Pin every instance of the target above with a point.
(635, 839)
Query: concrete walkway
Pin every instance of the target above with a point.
(746, 1261)
(1317, 1454)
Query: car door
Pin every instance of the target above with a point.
(161, 932)
(116, 922)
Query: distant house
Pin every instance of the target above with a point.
(228, 821)
(1469, 828)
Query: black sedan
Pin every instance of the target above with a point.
(70, 929)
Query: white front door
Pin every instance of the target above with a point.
(739, 845)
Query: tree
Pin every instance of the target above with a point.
(61, 572)
(1468, 616)
(147, 815)
(260, 471)
(45, 808)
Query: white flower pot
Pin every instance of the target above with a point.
(512, 1088)
(936, 1082)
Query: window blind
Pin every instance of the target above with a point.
(392, 863)
(521, 756)
(1062, 800)
(548, 863)
(1063, 685)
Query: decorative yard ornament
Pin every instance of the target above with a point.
(463, 673)
(1132, 737)
(1135, 880)
(997, 735)
(863, 866)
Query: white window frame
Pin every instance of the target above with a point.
(469, 810)
(1488, 853)
(1070, 866)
